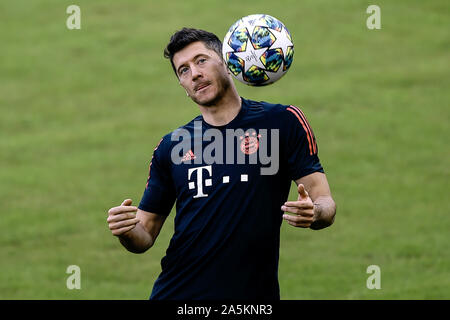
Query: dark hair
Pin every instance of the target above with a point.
(186, 36)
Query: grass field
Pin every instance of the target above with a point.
(81, 111)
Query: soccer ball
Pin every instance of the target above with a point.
(258, 49)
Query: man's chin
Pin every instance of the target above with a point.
(207, 101)
(212, 96)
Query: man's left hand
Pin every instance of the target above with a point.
(303, 209)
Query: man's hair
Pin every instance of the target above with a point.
(186, 36)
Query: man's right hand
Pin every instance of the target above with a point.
(122, 219)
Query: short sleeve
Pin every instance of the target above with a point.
(301, 147)
(159, 194)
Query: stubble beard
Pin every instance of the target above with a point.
(224, 86)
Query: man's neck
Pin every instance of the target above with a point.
(223, 112)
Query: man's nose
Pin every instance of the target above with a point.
(195, 73)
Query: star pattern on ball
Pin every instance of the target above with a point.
(251, 56)
(277, 74)
(226, 49)
(282, 41)
(250, 25)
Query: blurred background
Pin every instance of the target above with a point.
(82, 110)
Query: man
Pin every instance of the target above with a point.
(228, 213)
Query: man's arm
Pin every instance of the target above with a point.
(136, 229)
(314, 208)
(318, 188)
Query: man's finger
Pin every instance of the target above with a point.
(309, 212)
(298, 221)
(118, 232)
(122, 209)
(300, 225)
(302, 193)
(123, 223)
(121, 216)
(299, 204)
(127, 202)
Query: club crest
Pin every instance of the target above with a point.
(250, 143)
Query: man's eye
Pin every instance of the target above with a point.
(201, 60)
(183, 70)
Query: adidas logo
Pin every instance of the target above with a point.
(188, 156)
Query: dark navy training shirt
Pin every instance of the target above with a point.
(228, 213)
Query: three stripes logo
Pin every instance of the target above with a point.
(309, 133)
(188, 156)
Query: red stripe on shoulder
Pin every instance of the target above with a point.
(311, 133)
(150, 166)
(304, 128)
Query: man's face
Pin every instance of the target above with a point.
(202, 73)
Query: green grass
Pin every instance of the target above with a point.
(82, 110)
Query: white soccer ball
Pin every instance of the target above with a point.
(258, 49)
